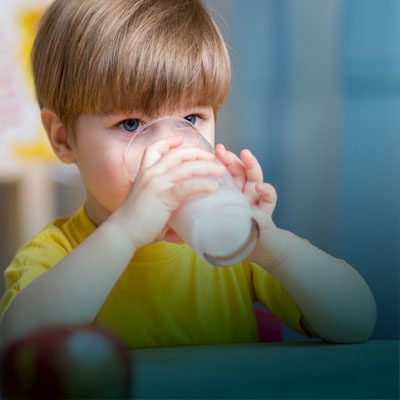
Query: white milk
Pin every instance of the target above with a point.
(219, 226)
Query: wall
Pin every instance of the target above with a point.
(316, 96)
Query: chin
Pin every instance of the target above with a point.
(172, 237)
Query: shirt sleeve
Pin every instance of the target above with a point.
(276, 298)
(33, 259)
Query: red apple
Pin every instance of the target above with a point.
(66, 362)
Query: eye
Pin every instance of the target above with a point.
(130, 125)
(192, 118)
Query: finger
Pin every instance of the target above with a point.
(253, 169)
(233, 163)
(179, 156)
(195, 168)
(267, 197)
(155, 151)
(182, 190)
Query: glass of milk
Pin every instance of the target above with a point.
(220, 226)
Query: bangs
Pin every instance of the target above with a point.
(157, 56)
(154, 77)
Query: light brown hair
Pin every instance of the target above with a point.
(94, 56)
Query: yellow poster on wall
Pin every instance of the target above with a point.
(39, 148)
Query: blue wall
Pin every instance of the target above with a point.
(368, 229)
(316, 96)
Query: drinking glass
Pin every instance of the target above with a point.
(220, 226)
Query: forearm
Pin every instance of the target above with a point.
(74, 290)
(335, 300)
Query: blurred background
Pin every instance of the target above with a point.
(315, 96)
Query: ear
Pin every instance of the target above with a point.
(58, 137)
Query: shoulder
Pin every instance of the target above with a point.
(45, 249)
(55, 241)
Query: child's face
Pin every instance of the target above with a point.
(99, 149)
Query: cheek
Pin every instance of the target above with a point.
(211, 140)
(106, 164)
(131, 164)
(209, 133)
(105, 178)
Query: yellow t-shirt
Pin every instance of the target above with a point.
(167, 295)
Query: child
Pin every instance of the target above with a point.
(102, 68)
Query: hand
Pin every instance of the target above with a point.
(167, 176)
(248, 177)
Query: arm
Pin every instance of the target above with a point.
(336, 303)
(73, 291)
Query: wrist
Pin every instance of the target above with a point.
(117, 225)
(272, 249)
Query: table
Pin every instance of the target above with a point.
(285, 370)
